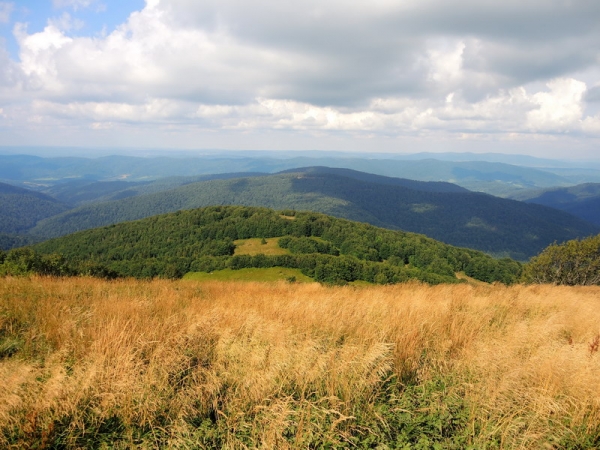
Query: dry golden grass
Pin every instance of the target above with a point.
(255, 246)
(247, 365)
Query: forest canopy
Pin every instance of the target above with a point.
(325, 248)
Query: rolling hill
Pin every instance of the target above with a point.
(439, 210)
(325, 248)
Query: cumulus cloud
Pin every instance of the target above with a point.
(560, 108)
(394, 68)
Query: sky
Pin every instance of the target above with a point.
(398, 76)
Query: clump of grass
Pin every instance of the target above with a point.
(179, 364)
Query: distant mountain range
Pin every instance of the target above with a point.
(494, 177)
(443, 211)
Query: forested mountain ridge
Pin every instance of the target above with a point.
(81, 192)
(203, 240)
(462, 218)
(21, 209)
(426, 186)
(582, 200)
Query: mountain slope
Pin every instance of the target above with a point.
(426, 186)
(81, 192)
(465, 219)
(582, 200)
(21, 209)
(325, 248)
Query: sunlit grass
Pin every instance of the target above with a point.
(251, 274)
(255, 246)
(181, 364)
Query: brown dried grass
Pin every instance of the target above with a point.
(276, 362)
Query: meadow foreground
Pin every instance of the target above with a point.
(180, 364)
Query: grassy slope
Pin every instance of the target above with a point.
(255, 246)
(88, 363)
(260, 275)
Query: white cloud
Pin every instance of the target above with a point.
(39, 59)
(560, 109)
(446, 63)
(591, 125)
(459, 67)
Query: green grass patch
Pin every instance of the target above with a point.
(251, 274)
(256, 246)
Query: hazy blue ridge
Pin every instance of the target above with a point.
(582, 200)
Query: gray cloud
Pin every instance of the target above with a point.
(423, 68)
(380, 43)
(593, 95)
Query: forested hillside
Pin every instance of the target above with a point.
(81, 192)
(483, 222)
(582, 201)
(21, 209)
(203, 240)
(426, 186)
(8, 241)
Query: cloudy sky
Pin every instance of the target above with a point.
(507, 76)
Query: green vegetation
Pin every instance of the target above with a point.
(576, 262)
(271, 274)
(325, 248)
(21, 209)
(80, 192)
(8, 241)
(26, 261)
(436, 210)
(259, 245)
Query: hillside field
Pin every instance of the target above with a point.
(252, 274)
(87, 363)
